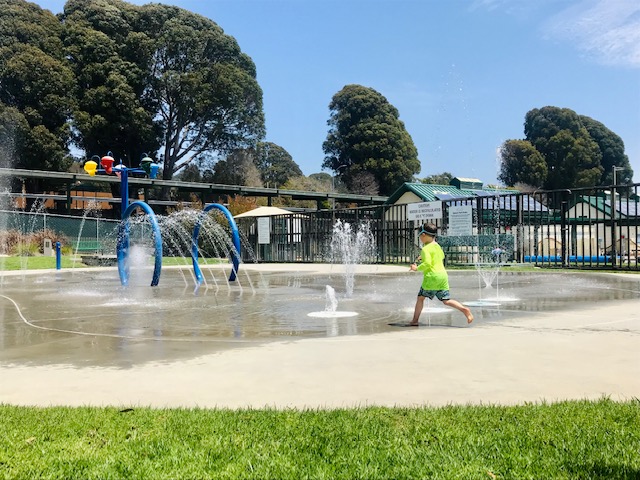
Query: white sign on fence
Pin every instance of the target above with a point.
(264, 230)
(296, 229)
(460, 220)
(424, 211)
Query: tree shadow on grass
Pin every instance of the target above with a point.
(602, 470)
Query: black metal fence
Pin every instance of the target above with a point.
(580, 228)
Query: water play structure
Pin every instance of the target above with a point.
(122, 250)
(147, 167)
(235, 235)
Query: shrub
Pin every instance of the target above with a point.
(39, 236)
(14, 242)
(9, 240)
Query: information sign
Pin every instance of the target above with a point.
(264, 230)
(424, 211)
(460, 220)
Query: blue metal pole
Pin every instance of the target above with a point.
(123, 240)
(124, 190)
(58, 256)
(123, 245)
(235, 237)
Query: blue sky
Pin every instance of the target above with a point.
(462, 73)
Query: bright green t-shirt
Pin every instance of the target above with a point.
(432, 265)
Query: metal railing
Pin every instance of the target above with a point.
(579, 228)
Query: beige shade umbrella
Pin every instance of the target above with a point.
(263, 212)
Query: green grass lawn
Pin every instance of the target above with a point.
(565, 440)
(187, 261)
(38, 263)
(41, 262)
(577, 440)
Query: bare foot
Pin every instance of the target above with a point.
(413, 324)
(469, 316)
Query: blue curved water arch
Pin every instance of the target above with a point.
(235, 236)
(122, 248)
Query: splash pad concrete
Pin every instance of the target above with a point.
(78, 338)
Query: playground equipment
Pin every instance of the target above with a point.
(235, 254)
(122, 248)
(150, 169)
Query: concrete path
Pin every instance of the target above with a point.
(546, 357)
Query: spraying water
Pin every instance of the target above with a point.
(489, 265)
(331, 306)
(351, 248)
(332, 301)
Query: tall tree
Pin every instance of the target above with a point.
(25, 23)
(114, 112)
(205, 88)
(13, 131)
(564, 150)
(158, 76)
(612, 149)
(521, 163)
(302, 183)
(36, 81)
(275, 164)
(238, 169)
(443, 178)
(572, 156)
(366, 135)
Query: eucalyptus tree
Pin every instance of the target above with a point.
(572, 156)
(521, 163)
(110, 59)
(275, 164)
(238, 168)
(36, 85)
(443, 178)
(562, 149)
(203, 86)
(366, 135)
(612, 149)
(14, 129)
(158, 78)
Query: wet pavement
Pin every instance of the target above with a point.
(76, 338)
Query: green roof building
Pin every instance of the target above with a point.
(459, 187)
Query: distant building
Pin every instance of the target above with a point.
(459, 187)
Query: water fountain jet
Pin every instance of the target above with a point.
(331, 308)
(351, 248)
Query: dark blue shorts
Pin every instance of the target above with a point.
(441, 295)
